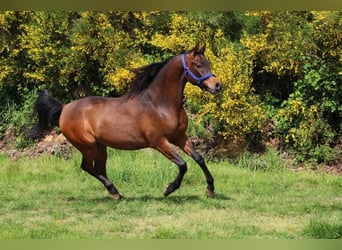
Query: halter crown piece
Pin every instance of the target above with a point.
(187, 72)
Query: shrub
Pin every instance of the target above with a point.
(282, 66)
(19, 118)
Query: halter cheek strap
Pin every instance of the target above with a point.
(188, 72)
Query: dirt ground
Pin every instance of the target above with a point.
(53, 143)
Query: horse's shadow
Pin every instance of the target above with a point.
(180, 199)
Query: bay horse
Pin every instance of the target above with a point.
(151, 115)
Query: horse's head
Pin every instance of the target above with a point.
(197, 70)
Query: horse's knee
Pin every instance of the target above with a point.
(199, 159)
(183, 167)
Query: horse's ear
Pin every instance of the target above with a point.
(197, 47)
(201, 50)
(197, 50)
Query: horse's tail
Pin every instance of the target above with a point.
(49, 111)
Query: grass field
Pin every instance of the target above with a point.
(257, 198)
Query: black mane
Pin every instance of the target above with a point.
(144, 76)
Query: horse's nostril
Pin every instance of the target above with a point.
(218, 86)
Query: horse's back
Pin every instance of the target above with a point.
(109, 121)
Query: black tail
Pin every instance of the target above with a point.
(49, 111)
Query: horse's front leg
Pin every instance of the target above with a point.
(185, 144)
(168, 151)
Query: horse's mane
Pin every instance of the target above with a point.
(144, 77)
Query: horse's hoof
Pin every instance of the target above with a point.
(116, 197)
(210, 193)
(168, 190)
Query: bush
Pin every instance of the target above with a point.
(19, 118)
(284, 66)
(297, 70)
(236, 112)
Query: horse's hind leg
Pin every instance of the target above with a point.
(98, 154)
(100, 168)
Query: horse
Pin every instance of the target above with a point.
(150, 114)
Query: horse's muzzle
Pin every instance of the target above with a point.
(218, 87)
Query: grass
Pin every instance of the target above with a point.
(257, 198)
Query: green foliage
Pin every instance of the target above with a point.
(284, 67)
(19, 119)
(297, 72)
(6, 116)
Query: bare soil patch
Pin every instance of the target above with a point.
(53, 143)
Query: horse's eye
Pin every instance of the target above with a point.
(198, 65)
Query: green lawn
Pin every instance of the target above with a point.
(52, 198)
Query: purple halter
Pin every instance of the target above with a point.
(187, 72)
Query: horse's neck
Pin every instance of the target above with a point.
(169, 85)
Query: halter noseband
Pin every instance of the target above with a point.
(187, 72)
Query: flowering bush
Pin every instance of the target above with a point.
(283, 66)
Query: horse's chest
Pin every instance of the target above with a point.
(173, 124)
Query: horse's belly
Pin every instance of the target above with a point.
(123, 141)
